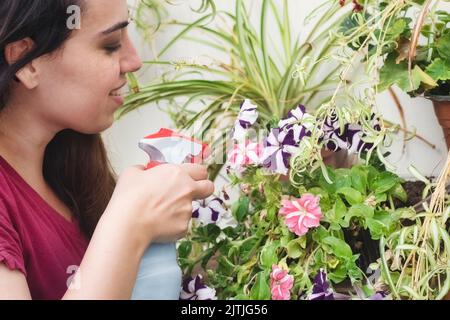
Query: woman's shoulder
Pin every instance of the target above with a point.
(11, 183)
(9, 190)
(6, 183)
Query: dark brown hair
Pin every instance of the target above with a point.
(75, 165)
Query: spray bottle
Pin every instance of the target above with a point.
(159, 276)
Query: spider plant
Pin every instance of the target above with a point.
(417, 262)
(150, 15)
(276, 69)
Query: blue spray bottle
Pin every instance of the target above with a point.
(159, 276)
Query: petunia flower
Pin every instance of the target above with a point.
(226, 220)
(279, 147)
(355, 136)
(195, 289)
(380, 295)
(246, 118)
(334, 139)
(244, 154)
(299, 121)
(301, 214)
(321, 288)
(212, 210)
(351, 138)
(281, 283)
(208, 211)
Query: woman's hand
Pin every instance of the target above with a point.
(156, 205)
(147, 206)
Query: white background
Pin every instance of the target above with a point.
(123, 136)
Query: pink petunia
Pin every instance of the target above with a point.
(301, 214)
(281, 283)
(245, 154)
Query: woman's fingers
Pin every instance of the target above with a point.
(203, 189)
(195, 171)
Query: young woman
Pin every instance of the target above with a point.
(63, 218)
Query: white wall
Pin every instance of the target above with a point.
(122, 138)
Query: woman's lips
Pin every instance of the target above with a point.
(118, 95)
(118, 98)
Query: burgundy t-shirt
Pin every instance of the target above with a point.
(35, 239)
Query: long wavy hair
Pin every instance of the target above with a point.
(76, 165)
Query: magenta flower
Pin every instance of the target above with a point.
(281, 283)
(245, 154)
(301, 214)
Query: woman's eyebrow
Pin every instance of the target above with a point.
(117, 26)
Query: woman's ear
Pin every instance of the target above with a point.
(14, 51)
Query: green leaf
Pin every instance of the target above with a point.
(295, 249)
(268, 255)
(359, 179)
(226, 266)
(443, 16)
(184, 249)
(339, 247)
(352, 196)
(397, 28)
(406, 213)
(320, 233)
(261, 289)
(245, 269)
(248, 247)
(377, 228)
(358, 210)
(380, 197)
(240, 209)
(339, 274)
(439, 70)
(338, 212)
(361, 210)
(393, 73)
(425, 79)
(384, 182)
(443, 46)
(399, 192)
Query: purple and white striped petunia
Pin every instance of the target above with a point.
(351, 138)
(209, 210)
(279, 147)
(195, 289)
(355, 136)
(299, 121)
(334, 139)
(321, 288)
(246, 118)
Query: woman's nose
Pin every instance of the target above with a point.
(131, 61)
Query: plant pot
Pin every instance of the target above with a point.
(442, 110)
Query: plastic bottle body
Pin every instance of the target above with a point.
(159, 276)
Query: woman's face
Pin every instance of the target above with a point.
(79, 84)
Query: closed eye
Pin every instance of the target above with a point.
(112, 49)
